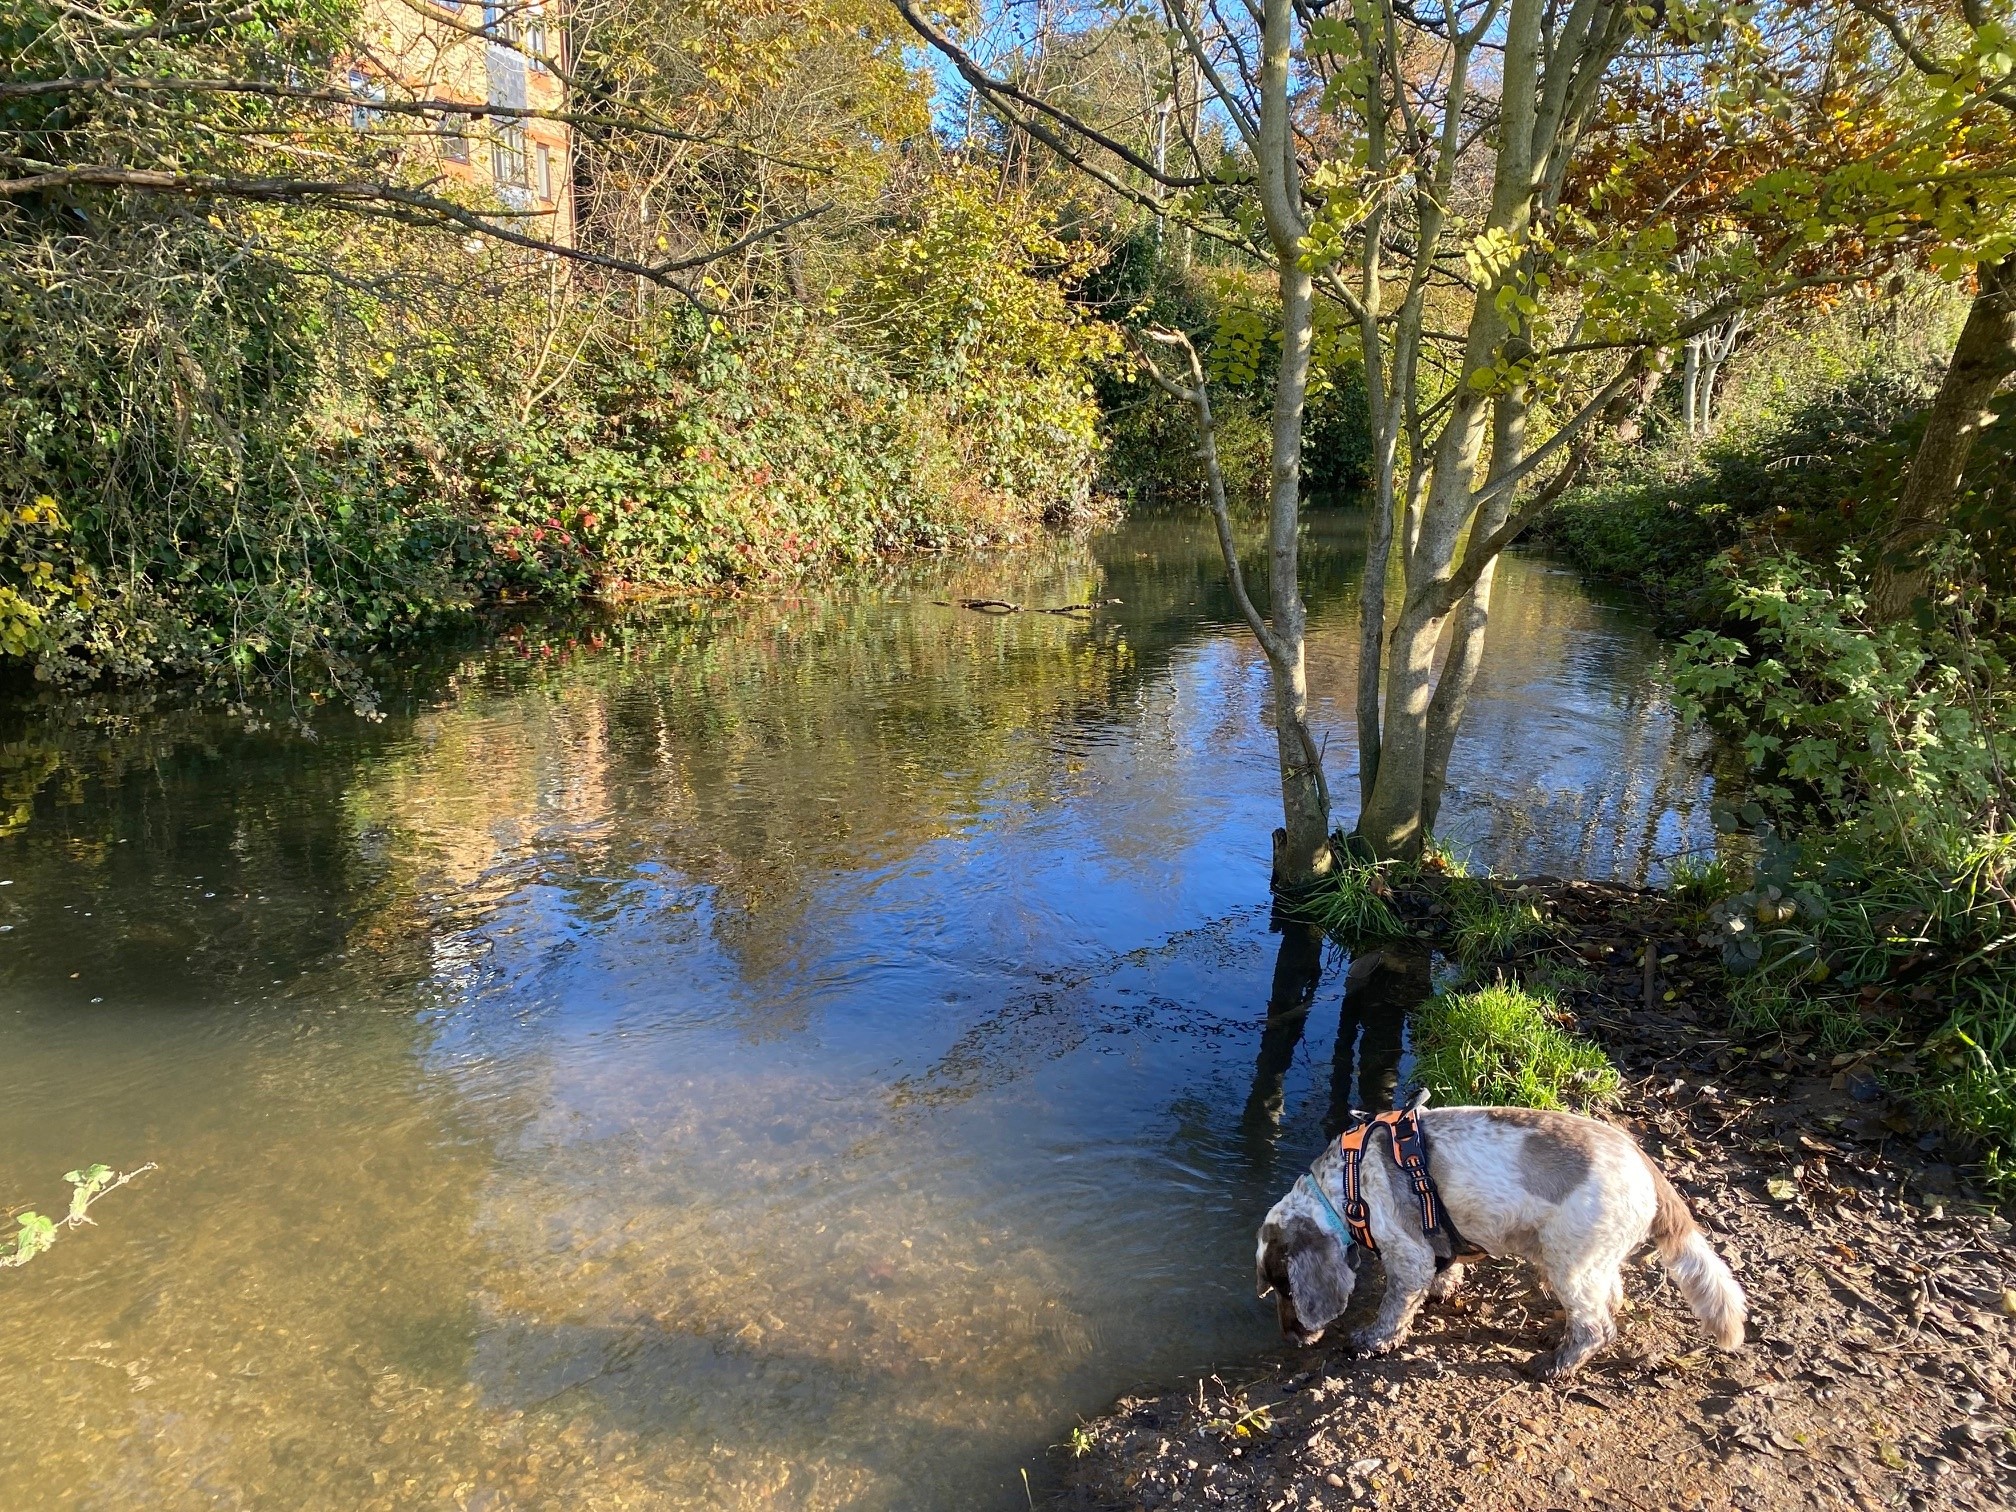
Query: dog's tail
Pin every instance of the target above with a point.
(1695, 1268)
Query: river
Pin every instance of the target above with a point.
(797, 1052)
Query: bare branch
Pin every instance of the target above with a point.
(411, 206)
(476, 110)
(1198, 397)
(997, 90)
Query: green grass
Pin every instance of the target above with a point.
(1354, 902)
(1504, 1046)
(1488, 926)
(1554, 973)
(1703, 880)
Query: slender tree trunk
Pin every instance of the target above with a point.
(1690, 388)
(1539, 116)
(1391, 823)
(1472, 618)
(1985, 355)
(1302, 845)
(1372, 603)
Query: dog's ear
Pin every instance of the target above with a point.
(1268, 1272)
(1320, 1278)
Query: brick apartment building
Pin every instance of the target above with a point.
(482, 53)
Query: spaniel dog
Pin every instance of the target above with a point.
(1572, 1195)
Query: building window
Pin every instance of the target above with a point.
(535, 34)
(545, 172)
(509, 163)
(454, 140)
(363, 117)
(500, 21)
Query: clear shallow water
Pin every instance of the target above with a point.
(796, 1053)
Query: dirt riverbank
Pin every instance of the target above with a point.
(1879, 1369)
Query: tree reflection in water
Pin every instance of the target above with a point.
(1383, 985)
(1298, 971)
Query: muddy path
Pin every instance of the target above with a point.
(1878, 1371)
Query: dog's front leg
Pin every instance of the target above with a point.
(1410, 1270)
(1448, 1281)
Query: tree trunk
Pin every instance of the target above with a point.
(1391, 823)
(1985, 355)
(1302, 845)
(1372, 605)
(1690, 388)
(1472, 618)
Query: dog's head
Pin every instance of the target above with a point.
(1305, 1266)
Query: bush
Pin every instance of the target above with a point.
(1898, 739)
(1880, 915)
(1505, 1047)
(1811, 477)
(224, 470)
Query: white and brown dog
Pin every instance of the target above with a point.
(1574, 1196)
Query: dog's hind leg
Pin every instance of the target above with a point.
(1410, 1270)
(1588, 1296)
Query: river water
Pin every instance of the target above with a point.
(795, 1053)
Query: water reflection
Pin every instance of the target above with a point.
(1298, 972)
(787, 1053)
(1385, 984)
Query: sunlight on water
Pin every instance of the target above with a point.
(793, 1053)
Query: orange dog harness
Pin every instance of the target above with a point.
(1410, 1153)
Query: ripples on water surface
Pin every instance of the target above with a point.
(793, 1053)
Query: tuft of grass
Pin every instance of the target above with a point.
(1488, 926)
(1553, 974)
(1436, 856)
(1354, 902)
(1704, 880)
(1505, 1046)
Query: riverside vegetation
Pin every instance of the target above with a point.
(1861, 900)
(260, 429)
(1865, 898)
(257, 433)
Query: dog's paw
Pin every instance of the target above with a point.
(1547, 1366)
(1447, 1283)
(1365, 1342)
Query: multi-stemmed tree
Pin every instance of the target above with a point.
(1523, 209)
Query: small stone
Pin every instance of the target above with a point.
(1334, 1480)
(1364, 1467)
